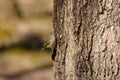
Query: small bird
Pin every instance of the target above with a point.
(50, 41)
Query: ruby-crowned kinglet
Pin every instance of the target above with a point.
(49, 42)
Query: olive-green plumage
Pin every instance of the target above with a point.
(49, 43)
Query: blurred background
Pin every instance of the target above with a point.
(24, 25)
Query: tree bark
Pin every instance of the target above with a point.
(87, 34)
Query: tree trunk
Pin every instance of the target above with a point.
(87, 36)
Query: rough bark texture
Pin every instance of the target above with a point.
(87, 36)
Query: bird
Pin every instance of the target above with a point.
(49, 42)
